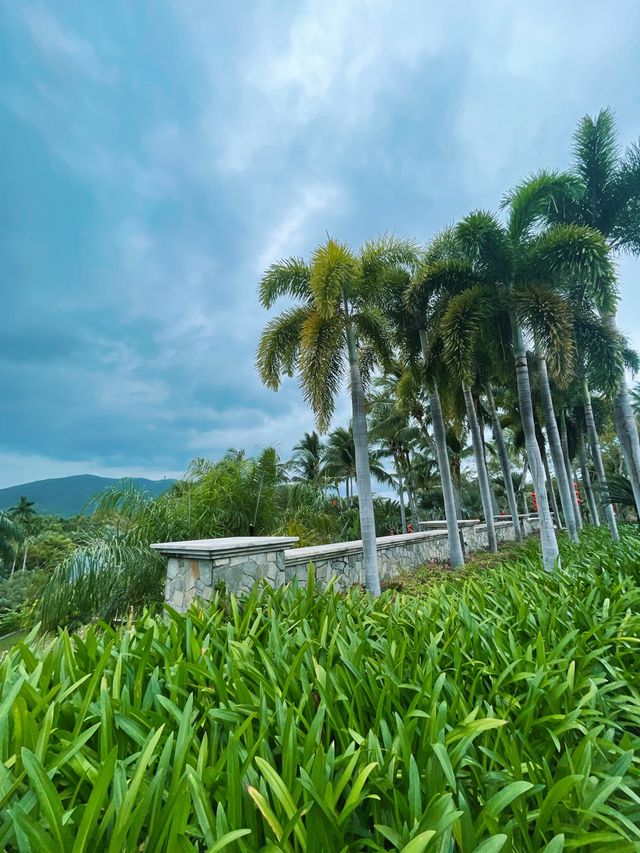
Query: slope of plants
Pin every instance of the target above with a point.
(500, 711)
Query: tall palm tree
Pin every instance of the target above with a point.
(607, 199)
(515, 258)
(395, 436)
(319, 337)
(417, 301)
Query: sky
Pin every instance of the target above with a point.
(158, 156)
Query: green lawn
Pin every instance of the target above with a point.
(9, 641)
(495, 711)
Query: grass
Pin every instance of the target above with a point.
(9, 640)
(500, 711)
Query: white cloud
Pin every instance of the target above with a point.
(63, 48)
(289, 235)
(338, 59)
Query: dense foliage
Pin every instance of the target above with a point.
(499, 711)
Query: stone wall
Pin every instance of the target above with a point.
(195, 569)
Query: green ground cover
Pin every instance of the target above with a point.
(495, 711)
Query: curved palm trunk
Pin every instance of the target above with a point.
(567, 465)
(456, 556)
(586, 481)
(549, 543)
(483, 474)
(363, 474)
(627, 431)
(596, 456)
(550, 490)
(505, 465)
(555, 446)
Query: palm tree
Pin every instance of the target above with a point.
(307, 460)
(23, 512)
(413, 324)
(519, 263)
(607, 198)
(335, 314)
(391, 431)
(10, 537)
(340, 460)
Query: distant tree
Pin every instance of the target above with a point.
(307, 460)
(10, 537)
(24, 513)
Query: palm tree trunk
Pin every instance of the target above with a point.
(363, 474)
(549, 543)
(403, 516)
(577, 514)
(456, 556)
(483, 474)
(550, 490)
(413, 503)
(586, 481)
(505, 465)
(495, 506)
(627, 430)
(596, 457)
(555, 446)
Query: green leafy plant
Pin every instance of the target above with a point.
(493, 710)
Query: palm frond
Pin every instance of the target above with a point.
(322, 364)
(279, 347)
(624, 231)
(595, 152)
(373, 330)
(289, 277)
(603, 349)
(530, 201)
(440, 278)
(575, 253)
(460, 327)
(387, 251)
(549, 318)
(334, 269)
(486, 245)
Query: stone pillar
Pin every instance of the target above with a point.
(196, 568)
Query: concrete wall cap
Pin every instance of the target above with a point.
(231, 546)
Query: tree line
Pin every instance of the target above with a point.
(490, 307)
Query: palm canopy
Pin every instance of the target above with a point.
(336, 292)
(606, 193)
(340, 457)
(493, 273)
(10, 535)
(307, 460)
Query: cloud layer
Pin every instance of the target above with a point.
(158, 157)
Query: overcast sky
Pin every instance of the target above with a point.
(156, 156)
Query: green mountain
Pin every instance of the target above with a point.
(67, 496)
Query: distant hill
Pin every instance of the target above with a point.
(67, 496)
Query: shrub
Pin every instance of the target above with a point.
(495, 712)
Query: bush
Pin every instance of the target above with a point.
(500, 711)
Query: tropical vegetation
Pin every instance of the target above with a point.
(489, 710)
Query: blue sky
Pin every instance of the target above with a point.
(156, 156)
